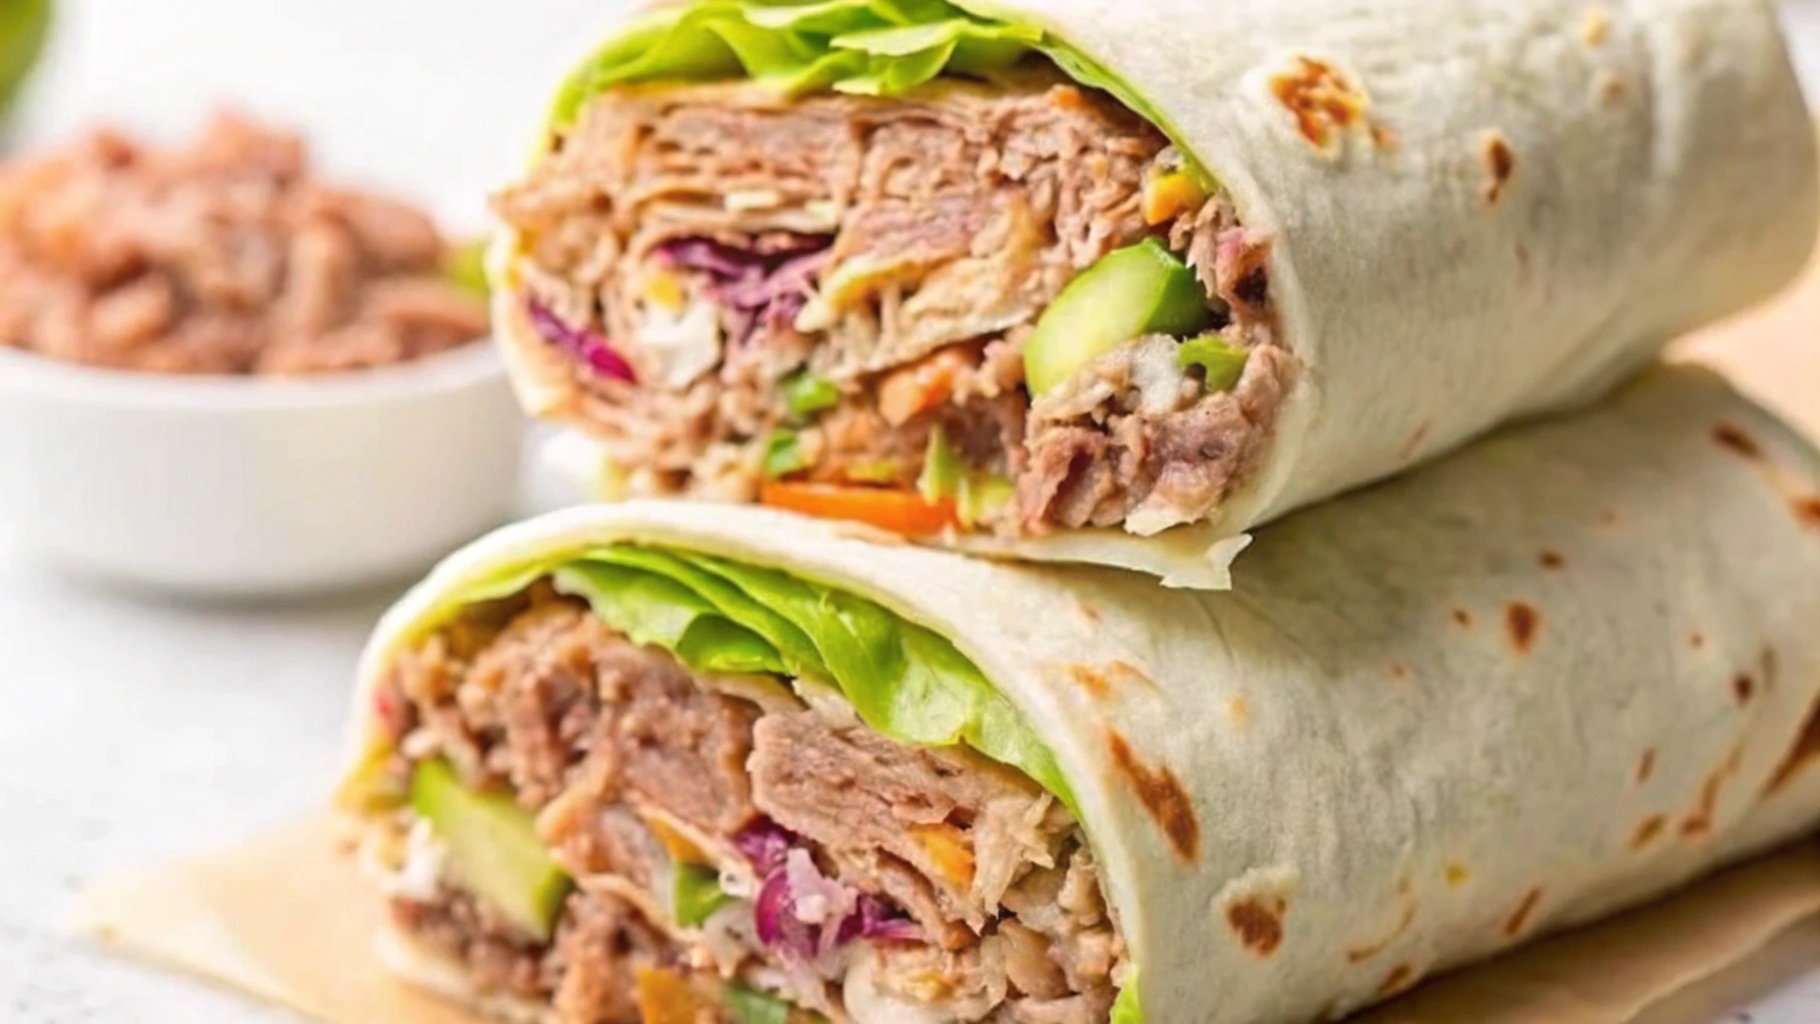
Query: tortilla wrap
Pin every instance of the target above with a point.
(1473, 212)
(1559, 674)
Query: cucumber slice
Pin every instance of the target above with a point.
(1132, 293)
(494, 849)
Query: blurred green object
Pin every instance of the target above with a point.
(24, 26)
(467, 265)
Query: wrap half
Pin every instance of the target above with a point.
(1115, 281)
(661, 762)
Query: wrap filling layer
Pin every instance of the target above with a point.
(627, 792)
(965, 287)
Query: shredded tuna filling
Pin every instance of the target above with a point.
(865, 878)
(222, 257)
(724, 242)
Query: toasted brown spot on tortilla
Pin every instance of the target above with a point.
(1240, 710)
(1611, 518)
(1401, 979)
(1258, 923)
(1596, 27)
(1383, 137)
(1092, 680)
(1371, 950)
(1519, 918)
(1611, 88)
(1321, 98)
(1524, 624)
(1649, 831)
(1162, 795)
(1500, 162)
(1706, 812)
(1808, 511)
(1735, 440)
(1804, 753)
(1646, 766)
(1400, 671)
(1552, 560)
(1413, 443)
(1090, 613)
(1457, 874)
(1123, 672)
(1743, 687)
(1696, 640)
(1462, 618)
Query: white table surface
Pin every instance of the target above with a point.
(134, 730)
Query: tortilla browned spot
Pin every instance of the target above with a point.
(1524, 623)
(1646, 767)
(1458, 874)
(1401, 671)
(1701, 821)
(1321, 98)
(1808, 511)
(1696, 639)
(1258, 923)
(1743, 686)
(1400, 979)
(1804, 753)
(1501, 163)
(1414, 442)
(1092, 680)
(1519, 918)
(1463, 618)
(1649, 831)
(1370, 950)
(1597, 26)
(1610, 88)
(1553, 560)
(1162, 795)
(1737, 441)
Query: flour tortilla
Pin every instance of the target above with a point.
(1661, 175)
(1542, 681)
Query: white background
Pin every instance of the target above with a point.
(135, 729)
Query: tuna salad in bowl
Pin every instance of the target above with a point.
(221, 373)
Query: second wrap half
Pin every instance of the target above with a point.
(1116, 281)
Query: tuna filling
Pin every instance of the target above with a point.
(729, 841)
(811, 302)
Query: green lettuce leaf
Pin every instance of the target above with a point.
(721, 616)
(866, 47)
(1126, 1009)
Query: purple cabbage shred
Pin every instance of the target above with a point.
(582, 344)
(780, 926)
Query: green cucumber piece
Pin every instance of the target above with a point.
(1221, 362)
(753, 1007)
(493, 847)
(698, 895)
(1132, 293)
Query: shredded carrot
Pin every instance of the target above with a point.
(664, 997)
(1169, 196)
(679, 846)
(921, 386)
(947, 846)
(902, 512)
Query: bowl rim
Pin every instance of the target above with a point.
(465, 366)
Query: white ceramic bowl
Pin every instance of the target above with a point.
(251, 487)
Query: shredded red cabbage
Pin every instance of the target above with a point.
(796, 900)
(759, 287)
(583, 344)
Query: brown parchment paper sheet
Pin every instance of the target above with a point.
(287, 919)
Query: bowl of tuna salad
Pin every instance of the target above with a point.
(222, 374)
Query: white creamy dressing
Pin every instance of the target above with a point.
(680, 345)
(868, 1003)
(419, 877)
